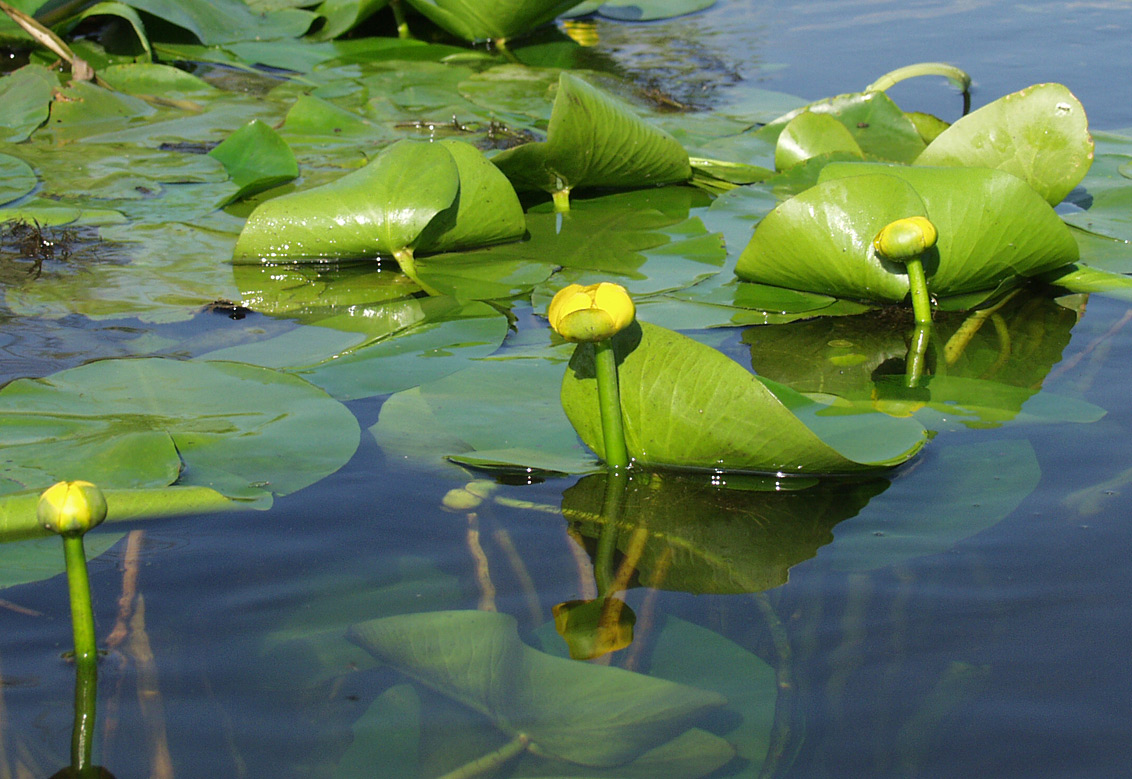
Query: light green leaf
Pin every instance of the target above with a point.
(227, 21)
(811, 134)
(685, 404)
(594, 140)
(341, 16)
(1040, 134)
(26, 96)
(256, 158)
(586, 714)
(477, 20)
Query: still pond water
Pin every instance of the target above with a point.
(968, 615)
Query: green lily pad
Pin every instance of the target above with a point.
(992, 227)
(701, 536)
(811, 134)
(256, 158)
(244, 431)
(640, 10)
(1040, 134)
(685, 404)
(585, 714)
(413, 197)
(477, 20)
(226, 21)
(16, 178)
(594, 140)
(26, 97)
(341, 16)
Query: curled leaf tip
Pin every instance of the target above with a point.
(905, 238)
(593, 313)
(71, 507)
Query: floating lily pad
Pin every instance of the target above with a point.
(26, 96)
(245, 431)
(640, 10)
(594, 140)
(413, 198)
(16, 178)
(256, 158)
(685, 404)
(477, 20)
(1040, 134)
(585, 714)
(992, 227)
(811, 134)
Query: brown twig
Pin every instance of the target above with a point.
(149, 695)
(479, 558)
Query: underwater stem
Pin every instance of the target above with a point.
(609, 400)
(492, 760)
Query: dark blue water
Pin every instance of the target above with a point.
(1001, 652)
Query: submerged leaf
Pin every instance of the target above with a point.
(586, 714)
(685, 404)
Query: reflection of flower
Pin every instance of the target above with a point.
(71, 507)
(593, 628)
(905, 238)
(591, 313)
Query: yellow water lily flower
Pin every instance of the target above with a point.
(905, 238)
(70, 507)
(591, 313)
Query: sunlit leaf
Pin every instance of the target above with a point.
(586, 714)
(477, 20)
(341, 16)
(686, 404)
(226, 21)
(811, 134)
(256, 158)
(1040, 134)
(594, 140)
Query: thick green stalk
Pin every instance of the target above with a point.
(492, 760)
(82, 614)
(408, 265)
(561, 199)
(917, 355)
(399, 16)
(82, 731)
(918, 286)
(609, 400)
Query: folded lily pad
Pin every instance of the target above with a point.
(992, 227)
(585, 714)
(685, 404)
(811, 134)
(477, 20)
(256, 158)
(594, 140)
(412, 198)
(1040, 134)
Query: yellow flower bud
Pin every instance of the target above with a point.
(905, 238)
(591, 313)
(71, 507)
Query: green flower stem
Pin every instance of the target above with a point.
(609, 400)
(917, 355)
(918, 285)
(561, 200)
(82, 614)
(399, 17)
(408, 265)
(492, 760)
(82, 732)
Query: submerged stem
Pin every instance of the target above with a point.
(609, 401)
(492, 760)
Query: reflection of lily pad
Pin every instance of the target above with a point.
(594, 140)
(585, 714)
(686, 404)
(704, 538)
(245, 431)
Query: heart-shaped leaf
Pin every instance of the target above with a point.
(685, 404)
(256, 158)
(594, 140)
(811, 134)
(1040, 134)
